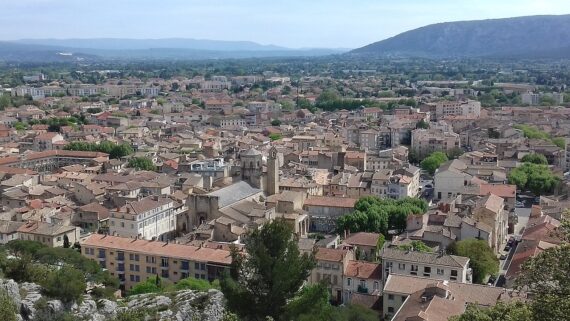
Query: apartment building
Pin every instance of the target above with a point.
(469, 109)
(436, 266)
(153, 217)
(396, 184)
(228, 121)
(427, 141)
(135, 260)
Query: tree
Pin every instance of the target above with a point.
(66, 284)
(515, 311)
(547, 277)
(141, 163)
(66, 243)
(560, 142)
(275, 136)
(433, 161)
(537, 178)
(535, 159)
(373, 214)
(271, 274)
(422, 124)
(482, 259)
(275, 122)
(19, 126)
(417, 246)
(454, 153)
(8, 308)
(5, 101)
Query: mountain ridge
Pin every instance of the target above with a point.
(478, 38)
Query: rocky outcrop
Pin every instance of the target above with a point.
(186, 305)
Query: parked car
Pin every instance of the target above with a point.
(503, 257)
(507, 248)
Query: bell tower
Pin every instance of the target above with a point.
(272, 186)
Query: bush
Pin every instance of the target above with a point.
(67, 284)
(8, 308)
(196, 285)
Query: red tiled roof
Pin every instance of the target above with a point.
(189, 252)
(331, 201)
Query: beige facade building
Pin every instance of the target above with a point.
(427, 141)
(135, 260)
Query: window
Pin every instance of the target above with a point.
(164, 262)
(203, 266)
(184, 275)
(150, 259)
(184, 265)
(196, 266)
(348, 281)
(59, 238)
(327, 266)
(148, 269)
(439, 271)
(391, 309)
(414, 269)
(376, 285)
(363, 283)
(402, 266)
(453, 275)
(165, 274)
(427, 271)
(390, 297)
(196, 276)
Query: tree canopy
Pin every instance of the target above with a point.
(114, 150)
(515, 311)
(373, 214)
(141, 163)
(536, 178)
(483, 260)
(417, 246)
(269, 276)
(535, 159)
(431, 163)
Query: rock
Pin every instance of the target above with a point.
(28, 305)
(159, 302)
(86, 308)
(55, 306)
(12, 289)
(107, 307)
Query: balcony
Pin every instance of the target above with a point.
(362, 289)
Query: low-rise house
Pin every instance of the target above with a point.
(52, 235)
(9, 231)
(363, 283)
(407, 298)
(325, 210)
(364, 244)
(91, 217)
(331, 266)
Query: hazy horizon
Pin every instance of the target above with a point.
(295, 24)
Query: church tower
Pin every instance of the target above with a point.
(272, 181)
(251, 167)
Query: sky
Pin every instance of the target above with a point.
(288, 23)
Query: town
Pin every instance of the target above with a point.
(401, 199)
(284, 161)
